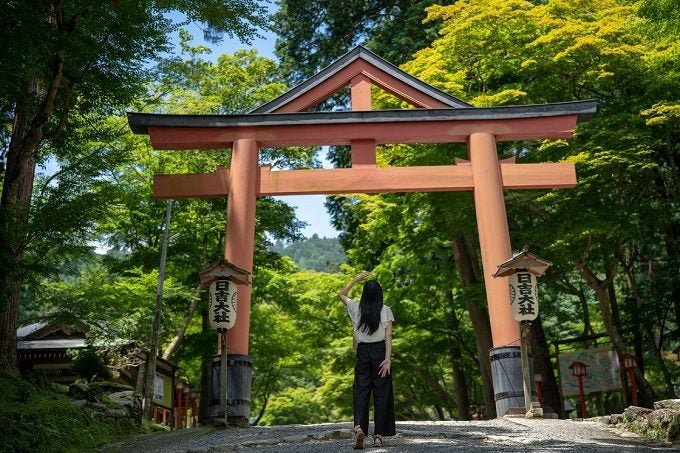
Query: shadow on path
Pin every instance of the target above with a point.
(500, 435)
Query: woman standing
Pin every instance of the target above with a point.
(372, 323)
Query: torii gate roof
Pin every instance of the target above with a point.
(380, 71)
(284, 121)
(583, 110)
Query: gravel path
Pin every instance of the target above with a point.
(499, 435)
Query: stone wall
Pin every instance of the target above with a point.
(662, 422)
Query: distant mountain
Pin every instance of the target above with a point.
(315, 253)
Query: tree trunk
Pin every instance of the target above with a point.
(565, 285)
(633, 306)
(260, 414)
(587, 326)
(634, 309)
(459, 381)
(14, 209)
(542, 364)
(181, 331)
(670, 226)
(432, 382)
(645, 391)
(658, 358)
(156, 329)
(27, 133)
(613, 301)
(479, 316)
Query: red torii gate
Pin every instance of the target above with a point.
(437, 118)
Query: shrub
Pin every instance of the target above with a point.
(88, 364)
(36, 419)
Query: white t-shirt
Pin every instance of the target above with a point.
(363, 337)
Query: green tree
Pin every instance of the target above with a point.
(132, 227)
(661, 12)
(301, 341)
(88, 364)
(565, 52)
(62, 58)
(311, 35)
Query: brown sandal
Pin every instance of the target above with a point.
(358, 438)
(377, 441)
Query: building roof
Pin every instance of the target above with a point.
(54, 334)
(53, 329)
(29, 329)
(66, 343)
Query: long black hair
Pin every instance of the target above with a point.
(370, 306)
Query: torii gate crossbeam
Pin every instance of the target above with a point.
(443, 178)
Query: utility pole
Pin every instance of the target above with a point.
(155, 334)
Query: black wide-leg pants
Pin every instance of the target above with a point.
(367, 381)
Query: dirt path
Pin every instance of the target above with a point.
(500, 435)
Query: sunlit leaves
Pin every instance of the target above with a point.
(484, 40)
(117, 307)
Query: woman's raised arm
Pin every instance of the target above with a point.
(344, 292)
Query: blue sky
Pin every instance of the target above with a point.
(309, 208)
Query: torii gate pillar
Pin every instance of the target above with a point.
(240, 232)
(494, 238)
(494, 242)
(239, 246)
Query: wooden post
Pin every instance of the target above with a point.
(194, 408)
(178, 413)
(224, 387)
(582, 396)
(633, 387)
(525, 368)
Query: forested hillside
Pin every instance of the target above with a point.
(314, 253)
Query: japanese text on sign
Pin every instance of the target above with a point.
(523, 296)
(222, 304)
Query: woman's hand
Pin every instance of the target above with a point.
(385, 366)
(363, 276)
(344, 292)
